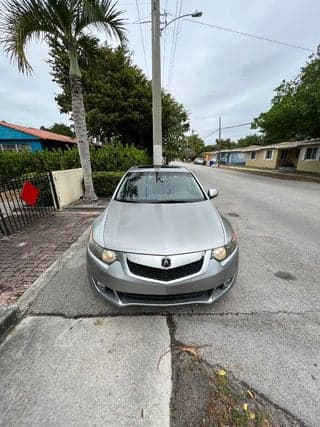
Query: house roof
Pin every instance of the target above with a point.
(39, 133)
(242, 149)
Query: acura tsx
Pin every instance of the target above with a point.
(161, 242)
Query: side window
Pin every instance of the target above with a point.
(269, 154)
(253, 155)
(311, 153)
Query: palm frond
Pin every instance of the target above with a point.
(102, 15)
(22, 22)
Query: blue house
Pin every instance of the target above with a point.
(232, 157)
(17, 138)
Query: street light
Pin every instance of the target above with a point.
(195, 14)
(156, 77)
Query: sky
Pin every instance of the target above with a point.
(212, 72)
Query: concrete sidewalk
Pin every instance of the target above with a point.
(81, 372)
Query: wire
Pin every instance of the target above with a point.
(242, 33)
(164, 41)
(142, 38)
(227, 127)
(132, 4)
(172, 43)
(236, 126)
(176, 31)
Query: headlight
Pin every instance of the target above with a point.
(224, 251)
(105, 255)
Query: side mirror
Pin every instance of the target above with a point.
(212, 193)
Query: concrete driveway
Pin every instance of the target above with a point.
(91, 359)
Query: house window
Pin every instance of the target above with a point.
(8, 147)
(311, 153)
(269, 154)
(23, 147)
(298, 153)
(253, 155)
(284, 155)
(15, 147)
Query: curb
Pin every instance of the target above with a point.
(274, 174)
(9, 316)
(84, 208)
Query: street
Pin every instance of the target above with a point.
(91, 360)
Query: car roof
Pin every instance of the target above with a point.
(155, 168)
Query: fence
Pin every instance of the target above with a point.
(24, 200)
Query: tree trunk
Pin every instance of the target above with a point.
(79, 118)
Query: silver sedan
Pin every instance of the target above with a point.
(161, 242)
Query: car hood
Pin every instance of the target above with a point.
(162, 229)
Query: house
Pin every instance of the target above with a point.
(209, 156)
(230, 157)
(17, 138)
(235, 157)
(302, 156)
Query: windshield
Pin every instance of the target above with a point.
(160, 187)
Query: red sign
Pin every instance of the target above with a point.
(29, 193)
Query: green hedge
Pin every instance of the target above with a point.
(106, 182)
(114, 157)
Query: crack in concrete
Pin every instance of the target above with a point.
(178, 373)
(170, 315)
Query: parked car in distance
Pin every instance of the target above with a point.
(161, 242)
(199, 161)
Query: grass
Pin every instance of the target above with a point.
(227, 407)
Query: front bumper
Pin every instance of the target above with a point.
(118, 285)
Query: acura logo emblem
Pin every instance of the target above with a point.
(165, 262)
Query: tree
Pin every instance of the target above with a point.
(295, 109)
(64, 21)
(254, 139)
(174, 125)
(191, 147)
(59, 128)
(118, 97)
(223, 144)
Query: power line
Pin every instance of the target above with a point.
(142, 38)
(254, 36)
(178, 30)
(227, 127)
(174, 42)
(236, 126)
(164, 40)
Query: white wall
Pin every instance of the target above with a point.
(68, 184)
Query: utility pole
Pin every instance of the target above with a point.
(219, 128)
(156, 84)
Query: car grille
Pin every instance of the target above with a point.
(165, 299)
(165, 275)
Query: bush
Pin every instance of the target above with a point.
(106, 182)
(116, 157)
(113, 157)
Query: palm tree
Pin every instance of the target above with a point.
(65, 21)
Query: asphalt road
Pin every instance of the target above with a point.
(265, 331)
